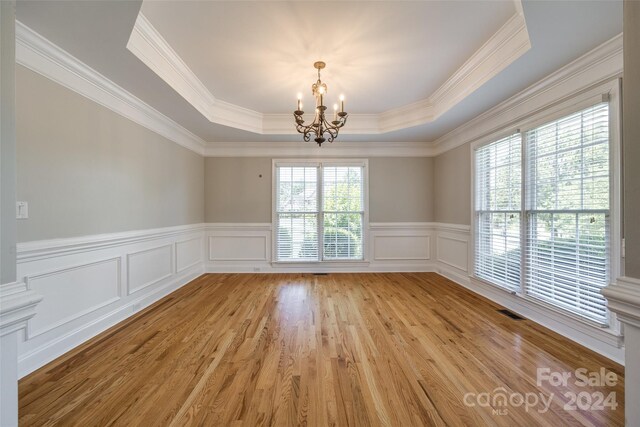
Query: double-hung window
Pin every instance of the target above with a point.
(542, 212)
(319, 211)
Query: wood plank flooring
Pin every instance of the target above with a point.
(401, 349)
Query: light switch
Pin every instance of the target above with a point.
(22, 210)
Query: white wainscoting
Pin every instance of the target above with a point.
(237, 248)
(452, 249)
(391, 247)
(402, 246)
(91, 283)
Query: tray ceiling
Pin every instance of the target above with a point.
(412, 71)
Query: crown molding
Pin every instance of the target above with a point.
(310, 149)
(509, 43)
(40, 55)
(145, 43)
(155, 52)
(601, 64)
(43, 57)
(597, 66)
(504, 47)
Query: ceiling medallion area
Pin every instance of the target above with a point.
(320, 126)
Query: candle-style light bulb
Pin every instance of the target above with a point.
(342, 103)
(299, 101)
(335, 112)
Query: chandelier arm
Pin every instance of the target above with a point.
(331, 129)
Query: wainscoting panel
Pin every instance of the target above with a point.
(402, 246)
(73, 292)
(188, 253)
(452, 249)
(91, 283)
(148, 267)
(238, 248)
(407, 248)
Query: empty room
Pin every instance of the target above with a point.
(323, 213)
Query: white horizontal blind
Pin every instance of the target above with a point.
(568, 202)
(342, 212)
(297, 213)
(498, 211)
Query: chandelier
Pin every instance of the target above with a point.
(320, 126)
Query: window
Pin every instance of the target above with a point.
(567, 212)
(319, 202)
(498, 210)
(562, 226)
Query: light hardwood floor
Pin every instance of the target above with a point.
(400, 349)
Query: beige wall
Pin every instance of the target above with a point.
(631, 136)
(234, 190)
(400, 189)
(86, 170)
(452, 183)
(7, 144)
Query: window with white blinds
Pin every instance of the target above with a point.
(498, 211)
(316, 203)
(567, 210)
(297, 213)
(565, 221)
(343, 212)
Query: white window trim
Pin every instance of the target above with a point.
(609, 90)
(364, 163)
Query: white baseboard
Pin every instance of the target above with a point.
(364, 267)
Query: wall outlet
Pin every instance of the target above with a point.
(22, 210)
(256, 269)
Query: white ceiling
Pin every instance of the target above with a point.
(382, 55)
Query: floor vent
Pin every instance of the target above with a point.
(320, 274)
(511, 314)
